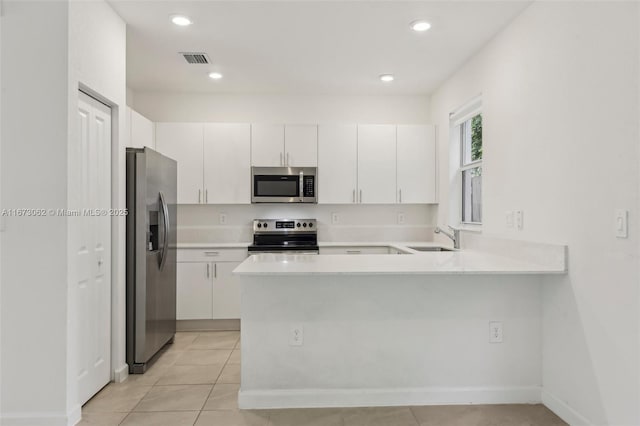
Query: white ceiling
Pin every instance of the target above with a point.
(306, 47)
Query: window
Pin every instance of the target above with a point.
(471, 169)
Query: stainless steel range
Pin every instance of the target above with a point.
(299, 236)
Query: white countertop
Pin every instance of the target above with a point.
(427, 263)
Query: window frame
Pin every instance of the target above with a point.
(457, 118)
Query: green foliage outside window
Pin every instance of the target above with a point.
(476, 138)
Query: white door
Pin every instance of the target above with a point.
(194, 290)
(227, 163)
(416, 163)
(226, 291)
(301, 145)
(90, 239)
(377, 164)
(267, 145)
(184, 143)
(337, 163)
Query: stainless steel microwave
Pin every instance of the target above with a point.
(284, 185)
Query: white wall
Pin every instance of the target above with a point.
(560, 93)
(282, 109)
(34, 165)
(97, 63)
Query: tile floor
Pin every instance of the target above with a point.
(196, 380)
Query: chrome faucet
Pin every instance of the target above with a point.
(455, 237)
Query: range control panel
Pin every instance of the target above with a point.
(283, 226)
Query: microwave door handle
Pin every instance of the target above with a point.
(301, 187)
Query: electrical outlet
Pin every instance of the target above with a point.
(335, 218)
(223, 218)
(508, 215)
(519, 219)
(622, 224)
(296, 335)
(401, 218)
(495, 332)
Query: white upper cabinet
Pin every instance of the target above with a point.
(337, 164)
(227, 156)
(267, 145)
(142, 131)
(376, 164)
(301, 145)
(184, 143)
(416, 160)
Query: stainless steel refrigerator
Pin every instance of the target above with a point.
(151, 255)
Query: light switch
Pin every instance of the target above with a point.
(508, 215)
(622, 223)
(519, 219)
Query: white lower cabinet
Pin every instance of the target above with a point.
(208, 289)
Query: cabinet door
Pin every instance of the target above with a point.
(227, 163)
(194, 290)
(416, 164)
(142, 131)
(377, 164)
(226, 291)
(267, 145)
(337, 164)
(184, 143)
(301, 145)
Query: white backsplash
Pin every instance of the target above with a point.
(201, 223)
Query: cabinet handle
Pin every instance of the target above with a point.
(206, 196)
(354, 196)
(354, 251)
(199, 196)
(211, 253)
(400, 195)
(281, 161)
(208, 273)
(361, 196)
(287, 159)
(215, 270)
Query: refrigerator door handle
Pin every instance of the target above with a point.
(165, 242)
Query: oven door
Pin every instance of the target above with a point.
(282, 185)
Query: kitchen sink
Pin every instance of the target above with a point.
(431, 249)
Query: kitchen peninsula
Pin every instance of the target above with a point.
(394, 329)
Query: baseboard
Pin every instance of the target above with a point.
(42, 419)
(310, 398)
(562, 410)
(121, 374)
(208, 325)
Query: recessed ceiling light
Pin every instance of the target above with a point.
(420, 26)
(215, 75)
(386, 77)
(181, 20)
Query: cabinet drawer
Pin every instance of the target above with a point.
(212, 255)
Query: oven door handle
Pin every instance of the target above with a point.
(301, 186)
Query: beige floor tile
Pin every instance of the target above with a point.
(149, 378)
(171, 418)
(184, 339)
(223, 397)
(233, 418)
(238, 345)
(169, 357)
(175, 398)
(191, 375)
(306, 417)
(230, 374)
(204, 357)
(116, 398)
(235, 357)
(101, 419)
(379, 416)
(486, 415)
(216, 340)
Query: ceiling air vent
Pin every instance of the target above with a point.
(195, 57)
